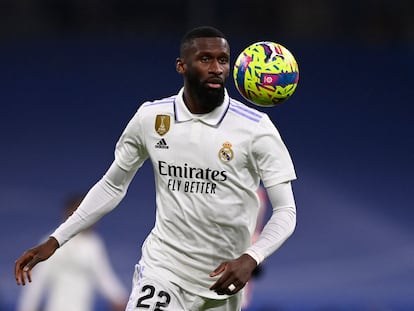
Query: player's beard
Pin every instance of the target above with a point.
(208, 98)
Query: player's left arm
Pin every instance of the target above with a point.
(277, 230)
(281, 224)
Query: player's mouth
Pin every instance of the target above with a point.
(215, 83)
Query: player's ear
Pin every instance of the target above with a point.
(179, 65)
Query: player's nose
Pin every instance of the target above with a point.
(216, 67)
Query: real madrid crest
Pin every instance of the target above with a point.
(162, 123)
(226, 153)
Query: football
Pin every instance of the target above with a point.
(266, 73)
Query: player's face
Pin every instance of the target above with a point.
(206, 68)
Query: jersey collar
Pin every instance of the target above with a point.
(213, 118)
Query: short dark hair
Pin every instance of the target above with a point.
(72, 202)
(200, 32)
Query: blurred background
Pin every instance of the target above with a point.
(72, 74)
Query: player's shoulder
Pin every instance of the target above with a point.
(151, 107)
(246, 112)
(166, 103)
(147, 110)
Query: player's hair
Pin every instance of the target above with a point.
(199, 32)
(72, 202)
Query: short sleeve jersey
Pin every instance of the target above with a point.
(207, 170)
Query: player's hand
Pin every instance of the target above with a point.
(234, 275)
(25, 263)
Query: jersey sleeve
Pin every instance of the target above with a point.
(130, 151)
(281, 224)
(271, 156)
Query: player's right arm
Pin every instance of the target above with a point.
(103, 197)
(100, 200)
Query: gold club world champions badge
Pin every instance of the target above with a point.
(226, 154)
(162, 123)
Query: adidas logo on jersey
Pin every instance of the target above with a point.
(162, 144)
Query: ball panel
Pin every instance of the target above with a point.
(266, 73)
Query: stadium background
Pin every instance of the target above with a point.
(72, 73)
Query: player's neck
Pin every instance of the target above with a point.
(195, 105)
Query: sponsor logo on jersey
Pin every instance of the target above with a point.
(162, 144)
(226, 154)
(186, 171)
(162, 124)
(188, 179)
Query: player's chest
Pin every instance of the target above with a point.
(197, 142)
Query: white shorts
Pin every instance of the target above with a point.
(152, 293)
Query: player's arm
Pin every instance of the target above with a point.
(100, 200)
(276, 231)
(281, 224)
(24, 265)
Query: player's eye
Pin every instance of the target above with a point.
(223, 60)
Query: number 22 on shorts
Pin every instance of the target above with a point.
(162, 299)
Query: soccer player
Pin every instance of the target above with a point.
(71, 278)
(209, 153)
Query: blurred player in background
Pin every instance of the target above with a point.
(209, 153)
(70, 280)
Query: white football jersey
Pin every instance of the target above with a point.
(207, 171)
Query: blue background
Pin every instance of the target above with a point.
(349, 127)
